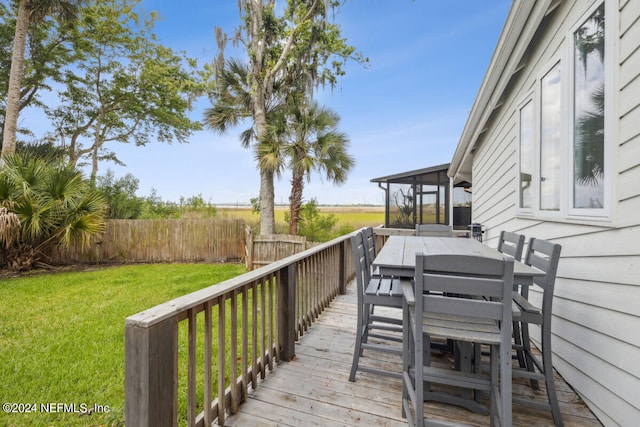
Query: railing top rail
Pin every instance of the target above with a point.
(161, 312)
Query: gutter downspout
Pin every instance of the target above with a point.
(386, 204)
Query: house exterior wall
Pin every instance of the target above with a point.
(596, 324)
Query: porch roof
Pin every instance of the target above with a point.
(419, 176)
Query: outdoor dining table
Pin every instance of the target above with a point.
(398, 258)
(398, 255)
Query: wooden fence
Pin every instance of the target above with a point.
(161, 240)
(255, 318)
(261, 250)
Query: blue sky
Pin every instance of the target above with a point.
(405, 111)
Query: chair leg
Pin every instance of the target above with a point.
(360, 332)
(548, 376)
(419, 385)
(526, 345)
(406, 358)
(517, 339)
(494, 393)
(506, 384)
(368, 308)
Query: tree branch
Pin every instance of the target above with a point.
(288, 46)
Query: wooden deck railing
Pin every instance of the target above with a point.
(174, 374)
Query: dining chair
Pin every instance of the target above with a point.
(511, 244)
(442, 230)
(375, 291)
(544, 256)
(468, 299)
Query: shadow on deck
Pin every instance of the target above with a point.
(314, 390)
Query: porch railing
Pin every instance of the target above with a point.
(191, 360)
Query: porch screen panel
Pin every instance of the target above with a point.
(401, 205)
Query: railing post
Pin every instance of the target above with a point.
(286, 319)
(342, 269)
(151, 374)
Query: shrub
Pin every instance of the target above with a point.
(54, 204)
(122, 202)
(318, 227)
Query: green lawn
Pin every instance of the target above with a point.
(62, 336)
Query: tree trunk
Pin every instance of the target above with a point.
(267, 193)
(267, 208)
(94, 165)
(295, 201)
(15, 80)
(254, 27)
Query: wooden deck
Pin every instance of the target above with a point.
(314, 390)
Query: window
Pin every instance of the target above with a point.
(563, 169)
(550, 139)
(527, 149)
(588, 114)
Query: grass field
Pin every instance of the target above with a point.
(355, 216)
(62, 336)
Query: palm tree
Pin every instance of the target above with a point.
(231, 99)
(54, 204)
(307, 139)
(9, 231)
(29, 11)
(232, 103)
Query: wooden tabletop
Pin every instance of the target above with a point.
(398, 255)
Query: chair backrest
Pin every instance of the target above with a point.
(544, 256)
(370, 244)
(442, 230)
(511, 244)
(465, 285)
(363, 273)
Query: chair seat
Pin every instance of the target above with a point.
(385, 286)
(460, 328)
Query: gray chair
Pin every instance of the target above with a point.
(467, 299)
(544, 256)
(441, 230)
(375, 291)
(511, 244)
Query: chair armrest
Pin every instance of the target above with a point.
(407, 293)
(525, 305)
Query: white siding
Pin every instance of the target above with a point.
(597, 300)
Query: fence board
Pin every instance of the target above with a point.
(159, 240)
(266, 249)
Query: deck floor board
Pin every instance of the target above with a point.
(314, 389)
